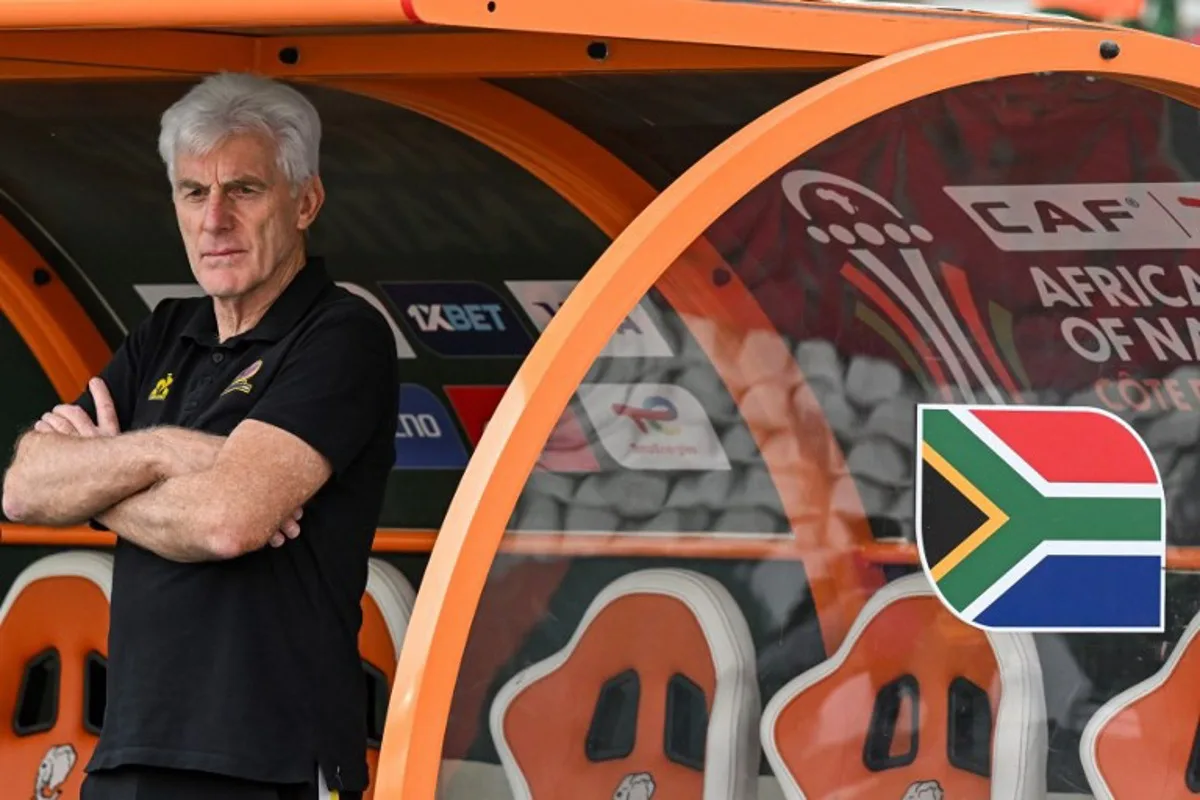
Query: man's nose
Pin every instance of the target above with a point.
(217, 212)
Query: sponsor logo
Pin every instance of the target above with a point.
(154, 293)
(908, 301)
(425, 435)
(637, 335)
(459, 318)
(242, 382)
(927, 310)
(53, 772)
(653, 426)
(1085, 216)
(162, 387)
(567, 449)
(989, 479)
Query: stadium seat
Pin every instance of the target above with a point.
(914, 704)
(655, 694)
(53, 647)
(1145, 741)
(387, 607)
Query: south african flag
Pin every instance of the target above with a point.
(1040, 519)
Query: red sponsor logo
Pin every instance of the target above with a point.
(567, 450)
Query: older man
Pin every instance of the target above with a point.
(233, 665)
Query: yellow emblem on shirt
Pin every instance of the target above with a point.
(162, 388)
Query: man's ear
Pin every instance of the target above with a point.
(312, 197)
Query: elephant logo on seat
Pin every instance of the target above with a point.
(636, 786)
(52, 773)
(925, 790)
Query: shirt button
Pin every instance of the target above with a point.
(218, 358)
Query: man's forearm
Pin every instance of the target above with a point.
(173, 518)
(62, 480)
(206, 515)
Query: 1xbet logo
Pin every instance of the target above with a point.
(459, 318)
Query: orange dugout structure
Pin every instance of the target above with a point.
(668, 279)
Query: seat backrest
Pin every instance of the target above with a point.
(53, 659)
(387, 607)
(914, 705)
(655, 694)
(1145, 741)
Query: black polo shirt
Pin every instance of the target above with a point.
(250, 667)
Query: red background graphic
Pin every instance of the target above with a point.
(567, 450)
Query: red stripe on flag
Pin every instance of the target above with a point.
(1077, 446)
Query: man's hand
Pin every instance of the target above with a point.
(290, 529)
(69, 468)
(71, 420)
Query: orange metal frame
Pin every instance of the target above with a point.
(76, 38)
(663, 233)
(44, 312)
(167, 54)
(783, 25)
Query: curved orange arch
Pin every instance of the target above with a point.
(611, 194)
(663, 233)
(47, 316)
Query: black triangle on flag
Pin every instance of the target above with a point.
(947, 516)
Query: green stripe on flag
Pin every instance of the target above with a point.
(1033, 518)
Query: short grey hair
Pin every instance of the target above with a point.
(232, 103)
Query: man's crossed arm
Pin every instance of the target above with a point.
(185, 495)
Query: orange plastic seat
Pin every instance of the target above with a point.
(656, 694)
(387, 607)
(53, 658)
(914, 704)
(1145, 741)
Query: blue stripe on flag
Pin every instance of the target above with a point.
(1084, 591)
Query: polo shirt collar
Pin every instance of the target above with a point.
(297, 297)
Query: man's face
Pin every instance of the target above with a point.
(237, 215)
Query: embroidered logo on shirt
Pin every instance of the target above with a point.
(242, 382)
(163, 387)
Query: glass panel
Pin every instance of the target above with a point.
(730, 495)
(661, 124)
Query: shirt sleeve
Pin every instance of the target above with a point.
(338, 386)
